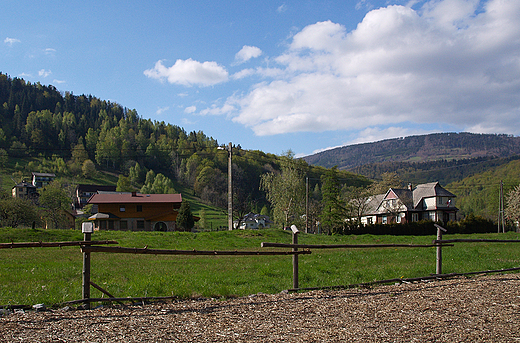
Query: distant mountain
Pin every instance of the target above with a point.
(416, 149)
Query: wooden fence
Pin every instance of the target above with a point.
(88, 247)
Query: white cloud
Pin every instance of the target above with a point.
(215, 110)
(161, 110)
(58, 81)
(282, 8)
(189, 72)
(44, 73)
(449, 62)
(190, 109)
(11, 41)
(186, 121)
(246, 53)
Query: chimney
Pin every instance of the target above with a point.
(134, 194)
(410, 186)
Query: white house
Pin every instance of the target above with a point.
(429, 201)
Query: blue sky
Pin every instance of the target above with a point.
(279, 75)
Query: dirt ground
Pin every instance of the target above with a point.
(477, 309)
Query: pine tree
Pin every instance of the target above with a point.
(185, 221)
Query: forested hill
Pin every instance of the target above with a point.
(425, 148)
(45, 130)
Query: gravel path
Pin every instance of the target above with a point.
(478, 309)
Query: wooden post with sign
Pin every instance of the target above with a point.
(87, 229)
(295, 256)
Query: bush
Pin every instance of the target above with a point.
(471, 224)
(420, 228)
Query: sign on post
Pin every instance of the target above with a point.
(87, 227)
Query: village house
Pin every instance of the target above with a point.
(85, 192)
(135, 212)
(25, 190)
(429, 201)
(40, 180)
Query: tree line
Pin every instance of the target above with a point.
(75, 136)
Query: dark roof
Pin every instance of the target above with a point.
(24, 184)
(429, 190)
(134, 198)
(44, 174)
(425, 190)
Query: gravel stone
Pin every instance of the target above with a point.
(477, 309)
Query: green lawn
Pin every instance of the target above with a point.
(53, 275)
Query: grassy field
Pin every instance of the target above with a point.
(53, 275)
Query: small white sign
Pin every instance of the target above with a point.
(87, 227)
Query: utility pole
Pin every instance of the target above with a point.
(230, 187)
(307, 204)
(229, 149)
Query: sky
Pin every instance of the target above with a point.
(280, 75)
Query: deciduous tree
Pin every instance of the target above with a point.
(512, 210)
(285, 190)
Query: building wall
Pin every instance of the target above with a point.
(136, 217)
(136, 210)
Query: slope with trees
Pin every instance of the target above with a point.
(75, 137)
(479, 194)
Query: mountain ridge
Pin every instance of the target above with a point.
(419, 148)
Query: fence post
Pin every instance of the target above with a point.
(438, 268)
(87, 229)
(295, 256)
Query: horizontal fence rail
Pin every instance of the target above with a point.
(123, 250)
(437, 241)
(52, 244)
(346, 246)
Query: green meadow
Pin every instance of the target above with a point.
(53, 275)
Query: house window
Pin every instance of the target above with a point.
(140, 225)
(415, 217)
(123, 225)
(369, 220)
(139, 208)
(398, 218)
(385, 220)
(122, 208)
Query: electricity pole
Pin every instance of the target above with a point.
(230, 187)
(229, 149)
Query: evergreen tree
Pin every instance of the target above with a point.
(185, 221)
(333, 212)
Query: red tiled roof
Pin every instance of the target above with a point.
(129, 198)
